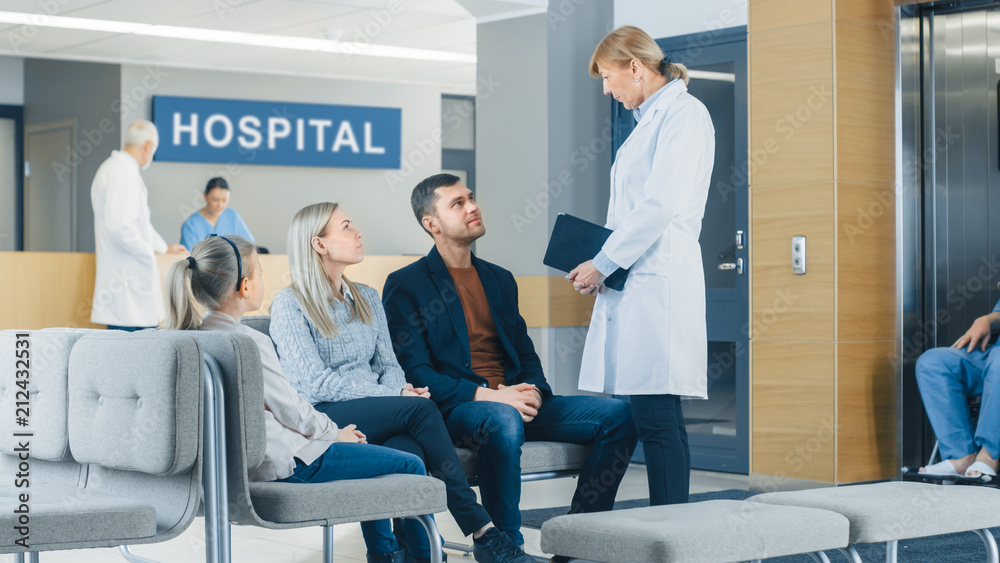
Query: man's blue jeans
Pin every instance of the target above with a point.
(360, 461)
(947, 377)
(497, 432)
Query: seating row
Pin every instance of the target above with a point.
(120, 438)
(779, 524)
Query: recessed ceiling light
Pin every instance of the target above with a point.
(233, 37)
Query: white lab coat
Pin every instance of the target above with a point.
(127, 288)
(651, 338)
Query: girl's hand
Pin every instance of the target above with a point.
(351, 435)
(410, 391)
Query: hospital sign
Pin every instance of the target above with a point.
(276, 133)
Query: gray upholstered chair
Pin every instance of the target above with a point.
(278, 505)
(539, 460)
(114, 439)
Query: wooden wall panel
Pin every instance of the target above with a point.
(866, 262)
(787, 306)
(865, 104)
(866, 411)
(791, 124)
(793, 410)
(774, 14)
(566, 306)
(46, 289)
(875, 12)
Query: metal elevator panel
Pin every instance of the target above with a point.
(960, 163)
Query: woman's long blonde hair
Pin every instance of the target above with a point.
(310, 283)
(628, 43)
(209, 280)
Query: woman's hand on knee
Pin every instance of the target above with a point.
(351, 435)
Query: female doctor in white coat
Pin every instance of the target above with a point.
(649, 341)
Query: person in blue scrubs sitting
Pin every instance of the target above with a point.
(946, 378)
(215, 218)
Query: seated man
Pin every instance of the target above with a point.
(947, 377)
(456, 328)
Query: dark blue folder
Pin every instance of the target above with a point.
(573, 242)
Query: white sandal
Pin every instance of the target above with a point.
(982, 468)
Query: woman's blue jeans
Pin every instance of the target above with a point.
(343, 461)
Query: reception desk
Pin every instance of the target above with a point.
(47, 289)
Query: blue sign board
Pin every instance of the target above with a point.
(276, 133)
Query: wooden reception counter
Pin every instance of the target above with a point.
(47, 289)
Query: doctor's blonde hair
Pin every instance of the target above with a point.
(310, 285)
(628, 43)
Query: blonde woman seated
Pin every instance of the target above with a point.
(333, 343)
(303, 445)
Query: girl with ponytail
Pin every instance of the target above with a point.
(223, 277)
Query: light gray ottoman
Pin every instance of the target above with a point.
(899, 510)
(714, 530)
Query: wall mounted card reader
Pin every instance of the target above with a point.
(799, 255)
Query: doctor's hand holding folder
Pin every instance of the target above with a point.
(574, 243)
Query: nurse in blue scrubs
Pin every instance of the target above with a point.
(216, 217)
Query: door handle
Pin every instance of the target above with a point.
(738, 266)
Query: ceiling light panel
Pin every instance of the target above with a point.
(268, 16)
(169, 12)
(43, 40)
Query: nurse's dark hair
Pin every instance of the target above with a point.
(628, 43)
(217, 182)
(424, 195)
(206, 280)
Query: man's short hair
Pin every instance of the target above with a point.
(140, 133)
(423, 197)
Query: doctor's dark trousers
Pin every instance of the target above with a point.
(660, 424)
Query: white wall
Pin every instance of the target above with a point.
(669, 18)
(11, 81)
(268, 196)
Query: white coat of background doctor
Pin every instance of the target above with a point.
(650, 339)
(127, 291)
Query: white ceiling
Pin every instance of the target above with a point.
(438, 25)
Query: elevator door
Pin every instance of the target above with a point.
(962, 180)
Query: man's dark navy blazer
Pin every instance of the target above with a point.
(431, 339)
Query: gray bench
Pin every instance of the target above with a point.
(699, 532)
(115, 447)
(539, 460)
(236, 362)
(889, 512)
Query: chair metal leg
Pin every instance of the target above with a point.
(891, 551)
(433, 537)
(327, 544)
(851, 554)
(127, 554)
(991, 545)
(217, 528)
(819, 557)
(464, 548)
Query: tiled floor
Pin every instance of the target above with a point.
(304, 545)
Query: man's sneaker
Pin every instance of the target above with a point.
(495, 546)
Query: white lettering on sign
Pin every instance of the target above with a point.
(180, 128)
(218, 131)
(251, 137)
